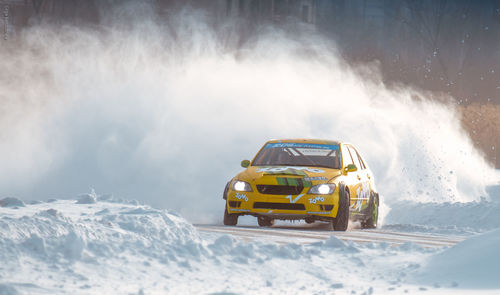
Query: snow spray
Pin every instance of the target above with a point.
(164, 112)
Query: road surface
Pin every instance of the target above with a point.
(306, 234)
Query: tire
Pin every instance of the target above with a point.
(371, 221)
(265, 221)
(230, 219)
(309, 220)
(341, 222)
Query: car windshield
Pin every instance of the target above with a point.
(299, 154)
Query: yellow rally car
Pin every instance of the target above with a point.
(304, 179)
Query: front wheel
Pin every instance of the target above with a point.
(230, 219)
(265, 221)
(371, 221)
(341, 222)
(309, 220)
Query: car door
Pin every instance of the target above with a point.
(367, 173)
(363, 183)
(351, 179)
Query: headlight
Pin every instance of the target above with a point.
(322, 189)
(242, 186)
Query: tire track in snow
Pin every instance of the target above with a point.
(305, 235)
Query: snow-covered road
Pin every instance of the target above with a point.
(310, 234)
(100, 245)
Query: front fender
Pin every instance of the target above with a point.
(224, 195)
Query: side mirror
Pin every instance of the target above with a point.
(350, 168)
(245, 163)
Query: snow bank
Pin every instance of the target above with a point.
(473, 263)
(64, 246)
(6, 289)
(69, 231)
(494, 190)
(446, 217)
(452, 218)
(11, 202)
(87, 199)
(118, 247)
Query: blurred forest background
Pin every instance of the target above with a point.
(448, 47)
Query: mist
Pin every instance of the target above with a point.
(163, 112)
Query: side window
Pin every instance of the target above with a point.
(360, 160)
(355, 158)
(346, 157)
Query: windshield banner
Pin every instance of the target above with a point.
(301, 145)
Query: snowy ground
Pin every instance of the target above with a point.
(99, 245)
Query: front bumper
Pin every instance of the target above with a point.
(289, 207)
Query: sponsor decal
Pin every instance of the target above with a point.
(292, 200)
(303, 182)
(241, 197)
(315, 152)
(292, 170)
(316, 199)
(315, 178)
(320, 212)
(362, 193)
(240, 210)
(293, 182)
(301, 145)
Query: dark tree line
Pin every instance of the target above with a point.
(452, 46)
(448, 46)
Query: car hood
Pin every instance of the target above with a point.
(273, 174)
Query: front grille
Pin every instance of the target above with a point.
(326, 207)
(269, 189)
(234, 204)
(281, 206)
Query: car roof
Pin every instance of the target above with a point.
(305, 140)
